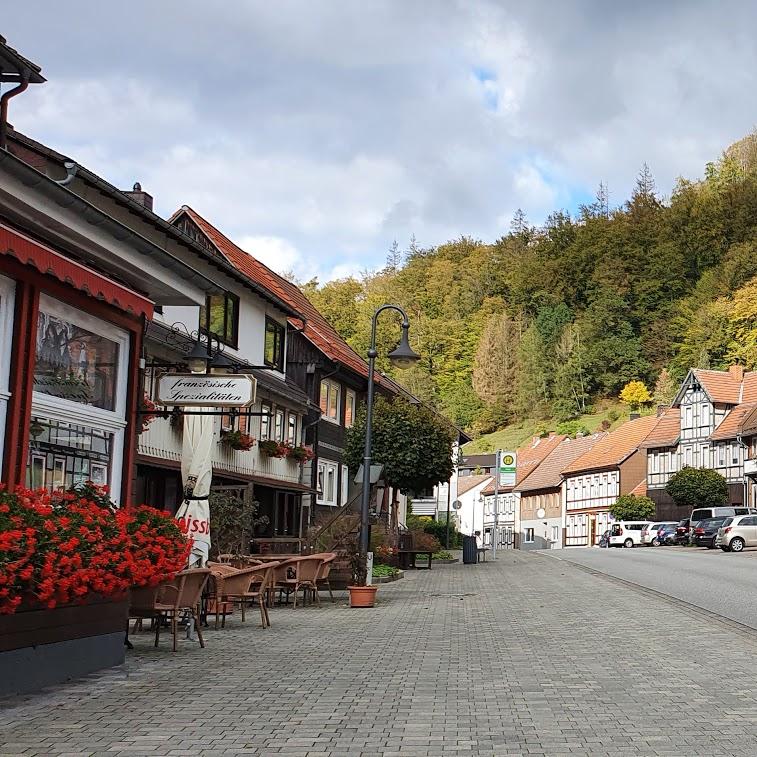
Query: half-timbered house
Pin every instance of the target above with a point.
(593, 482)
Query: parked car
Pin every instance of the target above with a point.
(666, 534)
(649, 534)
(706, 531)
(604, 540)
(682, 532)
(627, 533)
(736, 533)
(704, 513)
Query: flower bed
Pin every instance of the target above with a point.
(67, 561)
(59, 548)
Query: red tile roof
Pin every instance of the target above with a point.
(548, 475)
(666, 432)
(317, 329)
(728, 387)
(530, 454)
(733, 424)
(640, 490)
(615, 447)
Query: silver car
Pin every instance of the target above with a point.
(649, 533)
(736, 533)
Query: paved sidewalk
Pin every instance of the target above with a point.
(524, 656)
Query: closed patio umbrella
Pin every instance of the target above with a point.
(197, 473)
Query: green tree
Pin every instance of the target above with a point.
(665, 388)
(632, 507)
(413, 444)
(697, 487)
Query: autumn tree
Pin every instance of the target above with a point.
(635, 394)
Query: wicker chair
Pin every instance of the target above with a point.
(238, 587)
(168, 599)
(323, 575)
(299, 573)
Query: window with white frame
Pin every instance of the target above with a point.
(529, 536)
(265, 422)
(76, 430)
(555, 534)
(345, 487)
(278, 428)
(292, 429)
(327, 481)
(7, 292)
(350, 406)
(330, 397)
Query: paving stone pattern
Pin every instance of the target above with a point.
(525, 656)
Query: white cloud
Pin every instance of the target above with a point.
(324, 131)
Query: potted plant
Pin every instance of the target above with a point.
(149, 412)
(272, 448)
(361, 595)
(300, 453)
(67, 562)
(238, 440)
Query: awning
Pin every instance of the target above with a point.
(30, 252)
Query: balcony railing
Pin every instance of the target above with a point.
(160, 440)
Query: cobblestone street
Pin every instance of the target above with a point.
(527, 655)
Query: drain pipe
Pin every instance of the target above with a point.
(4, 107)
(71, 169)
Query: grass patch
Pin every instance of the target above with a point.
(381, 571)
(511, 437)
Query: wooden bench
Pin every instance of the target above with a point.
(408, 556)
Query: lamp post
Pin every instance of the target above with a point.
(402, 356)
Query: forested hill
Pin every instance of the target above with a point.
(545, 321)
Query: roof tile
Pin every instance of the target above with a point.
(667, 430)
(614, 448)
(548, 475)
(733, 424)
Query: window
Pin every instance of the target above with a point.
(330, 391)
(220, 317)
(265, 422)
(275, 338)
(77, 419)
(292, 429)
(327, 473)
(529, 536)
(345, 485)
(350, 402)
(279, 426)
(555, 534)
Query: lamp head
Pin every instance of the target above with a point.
(198, 358)
(403, 355)
(221, 364)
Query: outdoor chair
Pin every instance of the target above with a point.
(323, 574)
(299, 573)
(243, 586)
(168, 599)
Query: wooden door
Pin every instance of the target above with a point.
(592, 531)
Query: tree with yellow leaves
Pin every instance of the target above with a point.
(635, 394)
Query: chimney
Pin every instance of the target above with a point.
(634, 416)
(143, 198)
(737, 373)
(661, 409)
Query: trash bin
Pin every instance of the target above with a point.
(470, 550)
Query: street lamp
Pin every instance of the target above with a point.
(402, 356)
(201, 359)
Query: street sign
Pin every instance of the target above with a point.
(200, 390)
(457, 504)
(507, 468)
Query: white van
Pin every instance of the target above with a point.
(627, 533)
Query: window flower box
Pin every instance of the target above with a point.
(237, 440)
(272, 448)
(300, 454)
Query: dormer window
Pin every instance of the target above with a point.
(275, 335)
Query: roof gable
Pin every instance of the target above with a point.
(316, 328)
(529, 455)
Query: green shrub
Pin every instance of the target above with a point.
(442, 555)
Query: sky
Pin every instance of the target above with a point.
(314, 133)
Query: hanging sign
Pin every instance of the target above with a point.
(507, 468)
(199, 390)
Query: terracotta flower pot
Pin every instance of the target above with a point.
(362, 596)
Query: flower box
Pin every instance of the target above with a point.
(42, 647)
